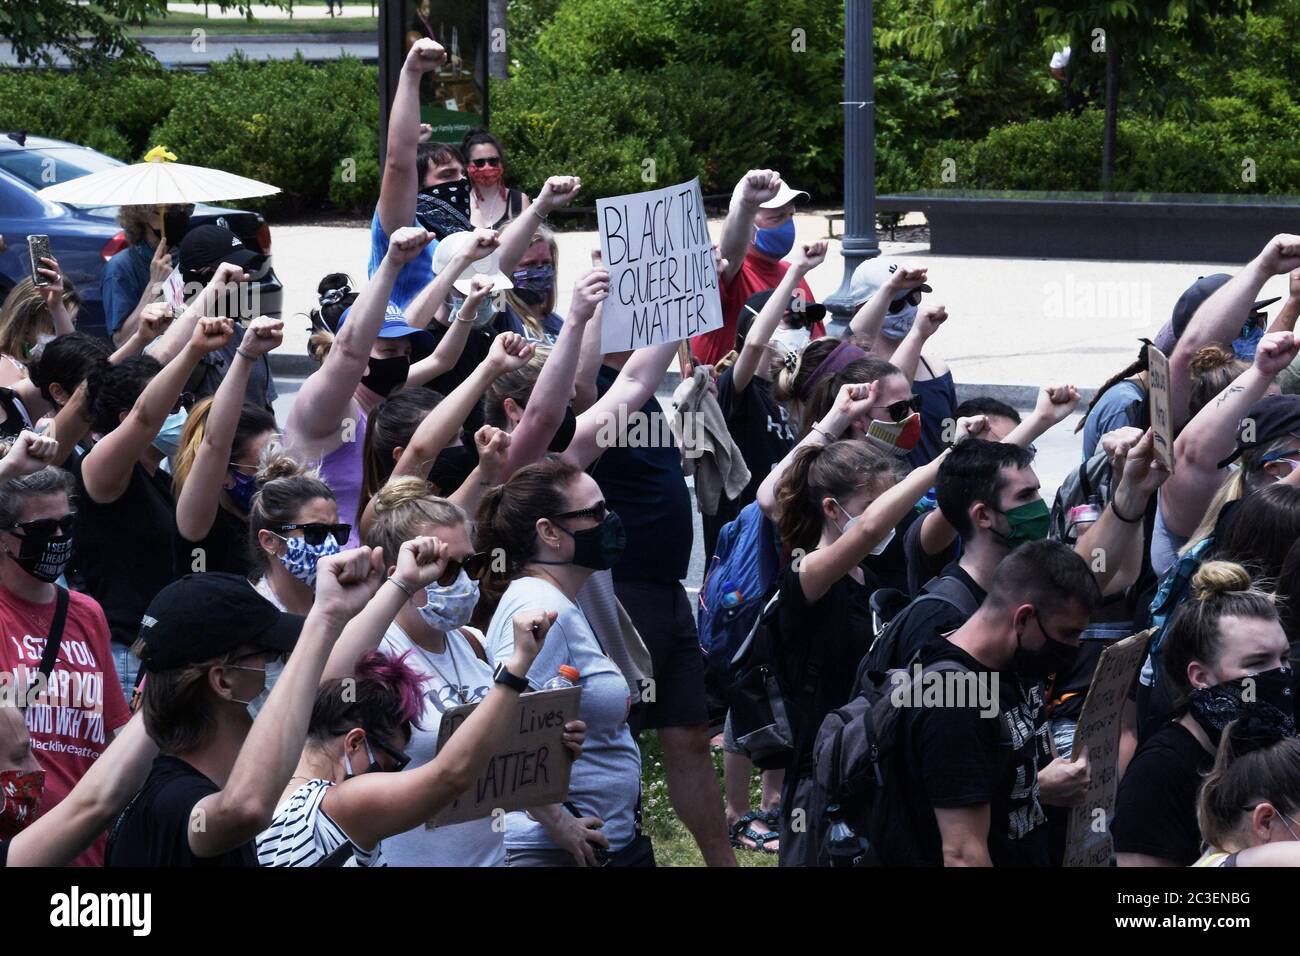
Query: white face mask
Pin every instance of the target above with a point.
(878, 549)
(790, 340)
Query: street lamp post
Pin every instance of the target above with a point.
(859, 241)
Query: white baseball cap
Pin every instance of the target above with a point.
(786, 194)
(488, 266)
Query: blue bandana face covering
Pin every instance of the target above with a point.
(533, 283)
(300, 558)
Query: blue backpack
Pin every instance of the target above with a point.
(738, 582)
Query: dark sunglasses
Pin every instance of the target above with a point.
(492, 161)
(475, 566)
(596, 511)
(185, 400)
(315, 534)
(47, 527)
(399, 758)
(912, 298)
(899, 411)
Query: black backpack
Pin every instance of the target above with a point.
(882, 656)
(1090, 482)
(757, 696)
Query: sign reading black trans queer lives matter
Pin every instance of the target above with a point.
(663, 282)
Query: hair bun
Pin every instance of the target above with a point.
(1210, 358)
(1215, 578)
(1258, 727)
(278, 463)
(399, 491)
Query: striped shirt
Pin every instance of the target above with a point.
(302, 834)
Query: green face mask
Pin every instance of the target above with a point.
(1029, 522)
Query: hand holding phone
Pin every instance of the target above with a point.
(38, 247)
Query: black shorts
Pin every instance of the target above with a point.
(663, 618)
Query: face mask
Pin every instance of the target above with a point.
(1054, 658)
(444, 208)
(168, 440)
(1216, 707)
(489, 177)
(790, 340)
(449, 608)
(777, 242)
(300, 558)
(373, 768)
(564, 434)
(44, 558)
(177, 223)
(895, 438)
(1245, 344)
(384, 376)
(451, 468)
(34, 351)
(483, 315)
(260, 698)
(878, 549)
(533, 283)
(598, 548)
(21, 792)
(241, 496)
(898, 324)
(1029, 522)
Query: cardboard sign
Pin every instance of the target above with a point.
(173, 290)
(1162, 418)
(1088, 841)
(663, 283)
(532, 767)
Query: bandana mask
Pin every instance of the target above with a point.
(533, 283)
(21, 792)
(300, 558)
(1216, 707)
(895, 438)
(485, 179)
(450, 608)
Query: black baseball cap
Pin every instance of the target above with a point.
(1196, 294)
(203, 616)
(209, 245)
(811, 312)
(1267, 420)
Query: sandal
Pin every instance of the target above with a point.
(772, 817)
(741, 831)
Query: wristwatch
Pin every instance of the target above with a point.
(502, 676)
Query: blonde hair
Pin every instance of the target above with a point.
(523, 310)
(24, 316)
(253, 421)
(403, 509)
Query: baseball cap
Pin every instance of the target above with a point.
(203, 616)
(489, 265)
(396, 327)
(871, 274)
(209, 245)
(785, 194)
(1267, 420)
(811, 312)
(1196, 294)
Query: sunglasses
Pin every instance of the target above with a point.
(899, 411)
(475, 566)
(898, 305)
(47, 527)
(399, 758)
(315, 534)
(597, 511)
(185, 400)
(493, 161)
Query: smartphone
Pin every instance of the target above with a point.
(39, 248)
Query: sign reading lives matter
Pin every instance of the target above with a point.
(1162, 417)
(663, 282)
(532, 767)
(1088, 841)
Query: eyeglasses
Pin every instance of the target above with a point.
(898, 305)
(493, 161)
(399, 758)
(898, 411)
(47, 527)
(474, 566)
(315, 534)
(184, 400)
(597, 512)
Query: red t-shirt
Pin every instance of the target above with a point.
(72, 722)
(757, 274)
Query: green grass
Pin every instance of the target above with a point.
(674, 845)
(180, 24)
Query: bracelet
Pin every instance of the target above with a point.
(821, 431)
(251, 358)
(461, 318)
(401, 587)
(535, 209)
(1115, 511)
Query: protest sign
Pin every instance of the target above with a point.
(173, 289)
(1162, 418)
(529, 770)
(663, 282)
(1088, 841)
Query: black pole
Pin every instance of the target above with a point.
(859, 242)
(392, 54)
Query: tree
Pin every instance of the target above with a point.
(39, 31)
(1104, 35)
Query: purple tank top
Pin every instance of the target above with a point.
(343, 470)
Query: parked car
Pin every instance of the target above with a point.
(84, 238)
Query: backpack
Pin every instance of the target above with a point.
(883, 653)
(852, 753)
(755, 695)
(738, 583)
(1091, 480)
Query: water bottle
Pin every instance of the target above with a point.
(567, 677)
(844, 846)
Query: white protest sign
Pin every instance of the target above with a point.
(530, 769)
(1162, 417)
(663, 282)
(173, 290)
(1088, 841)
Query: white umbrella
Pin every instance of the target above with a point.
(158, 181)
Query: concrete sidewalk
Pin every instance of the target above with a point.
(1014, 322)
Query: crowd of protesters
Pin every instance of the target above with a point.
(231, 640)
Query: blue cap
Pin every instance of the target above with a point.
(395, 327)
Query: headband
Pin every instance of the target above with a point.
(843, 354)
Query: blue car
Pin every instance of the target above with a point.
(84, 238)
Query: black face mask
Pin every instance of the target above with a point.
(1054, 658)
(444, 208)
(1272, 690)
(176, 222)
(384, 376)
(44, 558)
(598, 548)
(451, 468)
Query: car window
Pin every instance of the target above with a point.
(39, 168)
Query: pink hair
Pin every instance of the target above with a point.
(398, 677)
